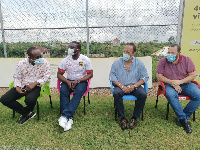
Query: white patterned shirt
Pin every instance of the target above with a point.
(76, 69)
(26, 73)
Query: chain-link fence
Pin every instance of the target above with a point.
(102, 21)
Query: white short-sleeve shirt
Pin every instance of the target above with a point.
(76, 69)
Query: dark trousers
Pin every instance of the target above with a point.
(9, 99)
(141, 95)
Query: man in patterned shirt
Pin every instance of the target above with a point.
(79, 69)
(177, 71)
(30, 74)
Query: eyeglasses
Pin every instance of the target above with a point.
(71, 47)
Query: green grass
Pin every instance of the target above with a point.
(97, 129)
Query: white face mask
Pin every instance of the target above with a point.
(70, 51)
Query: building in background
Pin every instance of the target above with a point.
(116, 42)
(162, 52)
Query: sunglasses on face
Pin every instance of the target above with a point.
(71, 47)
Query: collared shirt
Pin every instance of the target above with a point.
(136, 72)
(76, 69)
(26, 73)
(176, 71)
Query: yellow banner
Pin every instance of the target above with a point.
(190, 41)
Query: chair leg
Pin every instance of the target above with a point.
(13, 114)
(84, 104)
(88, 98)
(50, 101)
(194, 116)
(167, 110)
(156, 102)
(38, 115)
(142, 115)
(115, 113)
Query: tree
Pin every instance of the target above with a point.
(171, 40)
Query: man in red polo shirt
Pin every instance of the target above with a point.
(177, 71)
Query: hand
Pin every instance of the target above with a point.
(125, 89)
(176, 82)
(74, 84)
(21, 91)
(178, 88)
(69, 84)
(131, 88)
(30, 87)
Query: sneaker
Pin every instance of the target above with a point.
(23, 119)
(185, 124)
(62, 121)
(68, 125)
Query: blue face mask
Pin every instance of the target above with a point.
(171, 58)
(38, 61)
(126, 57)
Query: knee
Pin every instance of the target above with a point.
(117, 93)
(3, 99)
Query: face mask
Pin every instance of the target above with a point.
(171, 58)
(126, 57)
(70, 51)
(38, 61)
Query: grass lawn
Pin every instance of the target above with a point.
(98, 129)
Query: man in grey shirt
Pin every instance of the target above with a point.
(128, 74)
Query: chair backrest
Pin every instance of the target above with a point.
(88, 87)
(130, 97)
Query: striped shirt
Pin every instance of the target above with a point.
(176, 71)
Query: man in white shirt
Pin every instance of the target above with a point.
(79, 69)
(30, 74)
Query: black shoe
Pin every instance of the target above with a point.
(124, 122)
(185, 124)
(178, 122)
(23, 119)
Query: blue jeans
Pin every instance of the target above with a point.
(188, 89)
(67, 106)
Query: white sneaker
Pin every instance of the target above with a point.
(62, 121)
(68, 125)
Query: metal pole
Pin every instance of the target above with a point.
(87, 26)
(180, 22)
(2, 30)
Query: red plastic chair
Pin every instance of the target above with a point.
(87, 92)
(162, 90)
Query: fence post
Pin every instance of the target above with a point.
(87, 26)
(2, 30)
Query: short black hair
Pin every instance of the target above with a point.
(29, 51)
(134, 47)
(78, 44)
(176, 45)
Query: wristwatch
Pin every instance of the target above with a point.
(135, 86)
(78, 81)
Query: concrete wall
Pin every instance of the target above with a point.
(101, 67)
